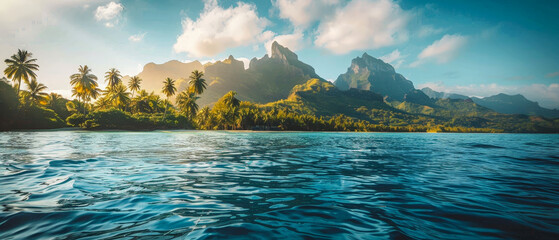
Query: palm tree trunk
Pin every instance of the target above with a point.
(165, 114)
(126, 109)
(18, 88)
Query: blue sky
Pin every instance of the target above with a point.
(477, 48)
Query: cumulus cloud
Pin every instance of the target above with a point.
(109, 13)
(441, 51)
(292, 41)
(394, 58)
(218, 29)
(302, 13)
(546, 95)
(137, 37)
(363, 24)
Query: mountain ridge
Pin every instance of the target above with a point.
(272, 78)
(501, 102)
(369, 73)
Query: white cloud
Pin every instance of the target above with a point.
(441, 51)
(546, 95)
(394, 58)
(302, 13)
(109, 13)
(364, 24)
(428, 30)
(218, 29)
(245, 61)
(292, 41)
(137, 37)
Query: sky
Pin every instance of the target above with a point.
(476, 48)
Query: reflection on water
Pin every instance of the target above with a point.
(198, 185)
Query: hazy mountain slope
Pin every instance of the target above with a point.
(434, 94)
(267, 79)
(321, 98)
(369, 73)
(153, 74)
(502, 103)
(515, 104)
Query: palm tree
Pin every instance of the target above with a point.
(21, 66)
(119, 96)
(36, 89)
(169, 90)
(85, 84)
(230, 100)
(113, 78)
(203, 117)
(197, 83)
(53, 99)
(187, 103)
(134, 84)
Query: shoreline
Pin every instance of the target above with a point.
(77, 129)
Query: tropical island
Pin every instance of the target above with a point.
(276, 92)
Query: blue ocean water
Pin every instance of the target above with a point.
(278, 185)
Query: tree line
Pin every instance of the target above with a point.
(125, 105)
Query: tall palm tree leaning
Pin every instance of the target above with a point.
(134, 84)
(169, 90)
(113, 78)
(197, 83)
(119, 96)
(230, 100)
(187, 103)
(36, 91)
(84, 84)
(21, 66)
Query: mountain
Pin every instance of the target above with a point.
(515, 104)
(434, 94)
(267, 79)
(502, 103)
(322, 98)
(417, 96)
(369, 73)
(153, 74)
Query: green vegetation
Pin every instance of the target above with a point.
(21, 66)
(316, 105)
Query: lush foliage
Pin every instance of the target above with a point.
(21, 66)
(316, 105)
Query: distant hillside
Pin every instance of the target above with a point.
(321, 98)
(502, 103)
(515, 104)
(434, 94)
(369, 73)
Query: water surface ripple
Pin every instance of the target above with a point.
(280, 185)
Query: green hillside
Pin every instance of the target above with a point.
(322, 98)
